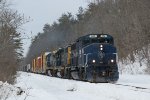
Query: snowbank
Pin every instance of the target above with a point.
(7, 90)
(129, 67)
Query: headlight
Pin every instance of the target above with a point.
(112, 61)
(101, 46)
(101, 49)
(93, 61)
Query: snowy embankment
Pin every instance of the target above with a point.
(6, 90)
(40, 87)
(136, 67)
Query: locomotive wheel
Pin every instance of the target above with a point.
(62, 73)
(49, 73)
(55, 73)
(52, 72)
(82, 75)
(68, 74)
(59, 74)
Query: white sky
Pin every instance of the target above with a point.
(42, 12)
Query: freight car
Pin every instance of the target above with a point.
(90, 58)
(41, 64)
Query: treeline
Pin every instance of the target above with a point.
(10, 42)
(128, 21)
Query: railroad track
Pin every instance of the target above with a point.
(134, 88)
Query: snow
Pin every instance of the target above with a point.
(136, 80)
(6, 90)
(40, 87)
(137, 67)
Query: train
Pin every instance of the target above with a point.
(91, 58)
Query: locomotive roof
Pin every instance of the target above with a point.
(94, 36)
(46, 53)
(58, 50)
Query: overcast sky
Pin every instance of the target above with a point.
(42, 12)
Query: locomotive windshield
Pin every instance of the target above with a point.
(97, 39)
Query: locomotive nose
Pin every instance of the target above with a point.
(95, 74)
(101, 74)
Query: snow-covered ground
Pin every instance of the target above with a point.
(40, 87)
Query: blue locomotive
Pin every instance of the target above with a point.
(95, 59)
(90, 58)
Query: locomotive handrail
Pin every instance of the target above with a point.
(87, 58)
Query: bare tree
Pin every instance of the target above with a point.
(10, 42)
